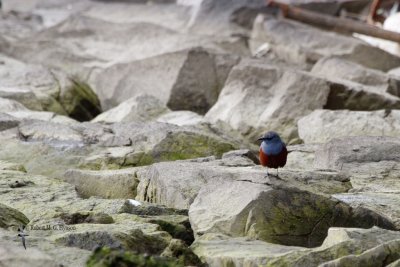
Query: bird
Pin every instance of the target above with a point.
(22, 234)
(273, 152)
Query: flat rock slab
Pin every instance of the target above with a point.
(301, 43)
(271, 214)
(220, 250)
(322, 126)
(343, 153)
(105, 184)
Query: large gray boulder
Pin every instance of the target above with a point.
(271, 214)
(324, 125)
(299, 43)
(105, 184)
(336, 68)
(258, 97)
(222, 250)
(140, 108)
(40, 88)
(346, 152)
(11, 217)
(187, 80)
(176, 184)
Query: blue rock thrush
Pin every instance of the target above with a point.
(273, 152)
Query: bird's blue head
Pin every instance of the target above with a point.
(271, 143)
(270, 137)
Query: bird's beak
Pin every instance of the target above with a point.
(260, 139)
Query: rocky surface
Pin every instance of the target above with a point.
(321, 126)
(128, 137)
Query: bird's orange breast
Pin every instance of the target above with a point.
(274, 161)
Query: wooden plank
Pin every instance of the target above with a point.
(335, 23)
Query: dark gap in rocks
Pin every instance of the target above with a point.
(182, 231)
(84, 104)
(86, 217)
(335, 98)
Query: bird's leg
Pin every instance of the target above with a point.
(277, 172)
(267, 173)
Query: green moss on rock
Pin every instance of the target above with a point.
(10, 217)
(80, 102)
(106, 257)
(188, 145)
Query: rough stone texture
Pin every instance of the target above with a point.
(274, 215)
(42, 116)
(24, 96)
(176, 184)
(155, 142)
(341, 153)
(181, 118)
(277, 97)
(7, 122)
(46, 131)
(300, 43)
(341, 69)
(188, 79)
(136, 109)
(16, 256)
(324, 125)
(40, 88)
(8, 105)
(220, 250)
(11, 217)
(105, 184)
(215, 16)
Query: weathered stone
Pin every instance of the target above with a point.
(270, 91)
(178, 249)
(273, 214)
(47, 131)
(181, 118)
(220, 250)
(8, 105)
(188, 80)
(324, 125)
(21, 95)
(105, 184)
(115, 257)
(40, 88)
(11, 217)
(216, 16)
(7, 122)
(341, 153)
(341, 69)
(141, 108)
(43, 116)
(165, 13)
(176, 184)
(134, 240)
(86, 217)
(301, 157)
(180, 230)
(300, 43)
(380, 255)
(146, 143)
(13, 256)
